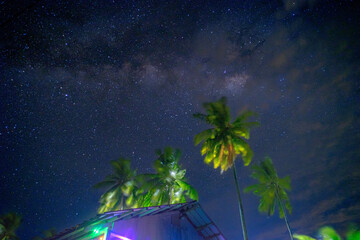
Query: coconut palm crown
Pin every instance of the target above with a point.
(329, 233)
(271, 189)
(168, 185)
(9, 223)
(226, 140)
(119, 187)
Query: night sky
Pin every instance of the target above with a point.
(88, 82)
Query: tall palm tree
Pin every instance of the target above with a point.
(9, 223)
(168, 185)
(225, 141)
(272, 190)
(121, 187)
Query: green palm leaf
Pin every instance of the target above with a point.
(203, 136)
(353, 233)
(104, 184)
(190, 191)
(303, 237)
(328, 233)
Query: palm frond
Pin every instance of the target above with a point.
(328, 233)
(303, 237)
(104, 184)
(243, 148)
(190, 191)
(285, 183)
(243, 117)
(202, 136)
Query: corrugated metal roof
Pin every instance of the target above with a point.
(192, 211)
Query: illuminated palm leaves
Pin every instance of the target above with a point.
(121, 187)
(271, 189)
(303, 237)
(9, 223)
(225, 141)
(353, 233)
(168, 185)
(328, 233)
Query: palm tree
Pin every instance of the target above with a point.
(225, 141)
(272, 190)
(9, 223)
(121, 187)
(168, 185)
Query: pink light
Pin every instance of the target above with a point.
(119, 237)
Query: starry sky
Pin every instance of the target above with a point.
(86, 82)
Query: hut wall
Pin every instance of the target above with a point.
(158, 227)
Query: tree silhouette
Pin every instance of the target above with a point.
(120, 187)
(272, 190)
(168, 185)
(225, 141)
(9, 223)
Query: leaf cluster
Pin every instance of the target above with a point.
(127, 189)
(329, 233)
(121, 186)
(270, 188)
(9, 223)
(168, 185)
(226, 140)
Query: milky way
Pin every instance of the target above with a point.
(85, 83)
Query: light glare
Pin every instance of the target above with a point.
(119, 237)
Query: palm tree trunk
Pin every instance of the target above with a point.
(285, 215)
(241, 210)
(169, 195)
(122, 203)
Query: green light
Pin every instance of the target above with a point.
(96, 230)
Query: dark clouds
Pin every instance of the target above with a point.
(84, 83)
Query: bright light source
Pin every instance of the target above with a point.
(172, 173)
(119, 237)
